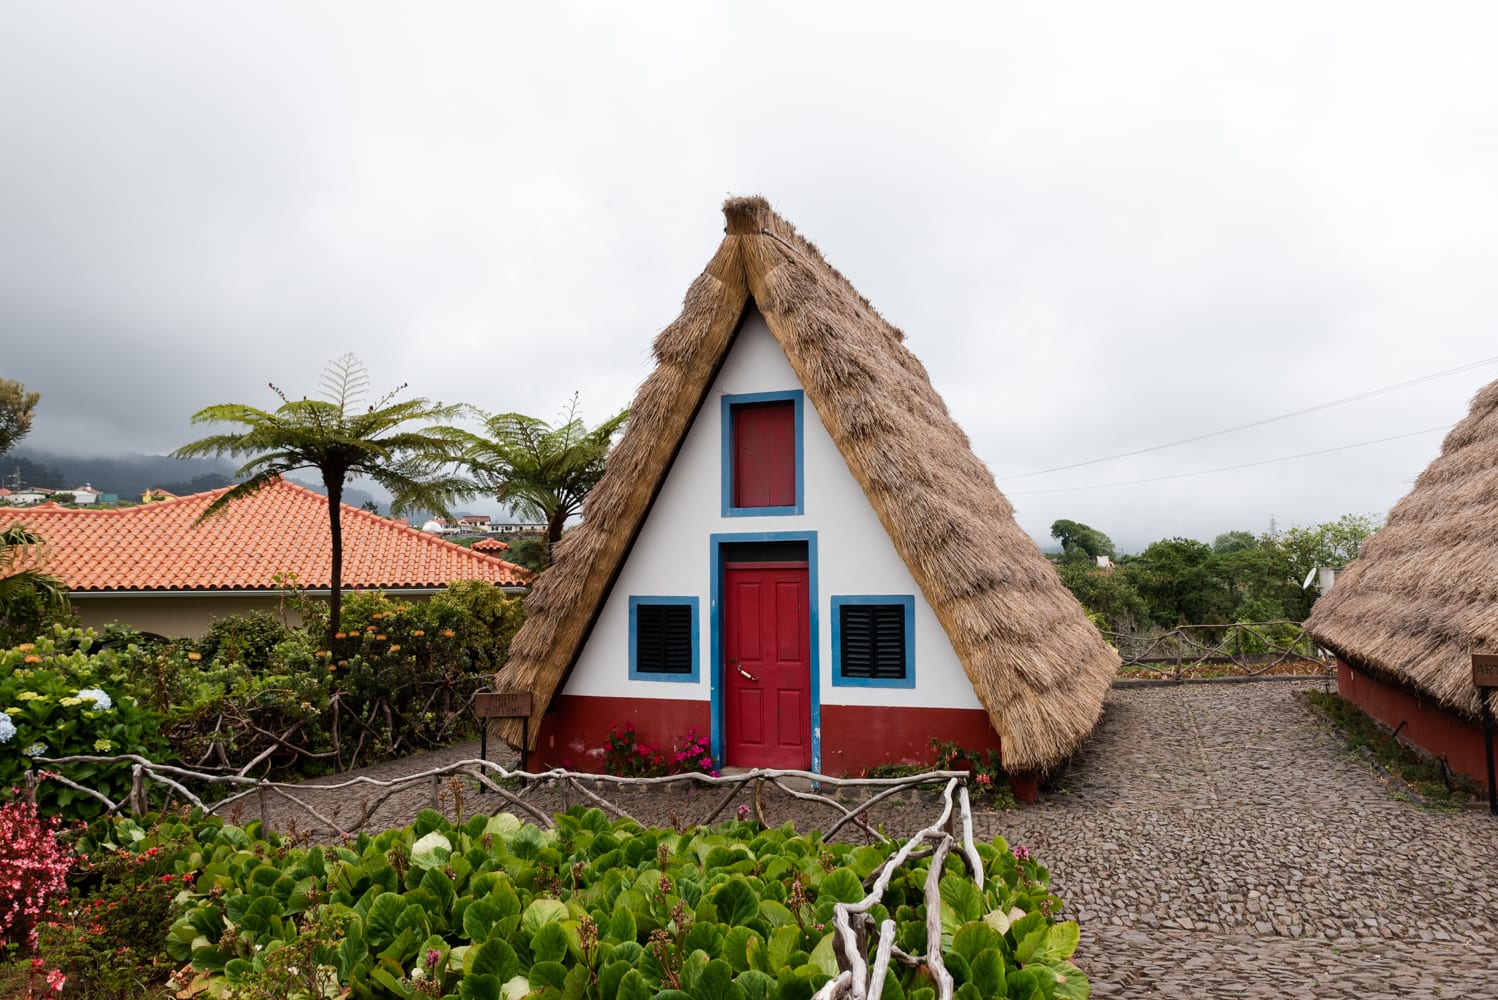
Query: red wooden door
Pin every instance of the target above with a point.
(767, 665)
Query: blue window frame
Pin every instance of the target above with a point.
(729, 402)
(663, 639)
(873, 641)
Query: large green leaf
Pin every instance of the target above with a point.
(736, 902)
(963, 896)
(842, 886)
(481, 987)
(973, 937)
(541, 912)
(715, 982)
(634, 987)
(756, 985)
(479, 919)
(622, 926)
(988, 972)
(494, 957)
(380, 926)
(549, 944)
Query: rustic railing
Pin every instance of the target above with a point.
(863, 969)
(518, 789)
(1243, 649)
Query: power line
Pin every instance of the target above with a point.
(1229, 468)
(1258, 423)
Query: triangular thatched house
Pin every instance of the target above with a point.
(795, 551)
(1404, 617)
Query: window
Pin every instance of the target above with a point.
(873, 641)
(663, 638)
(762, 454)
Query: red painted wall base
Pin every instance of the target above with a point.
(1426, 724)
(854, 737)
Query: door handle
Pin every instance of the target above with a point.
(746, 673)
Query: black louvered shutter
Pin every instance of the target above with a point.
(873, 641)
(663, 636)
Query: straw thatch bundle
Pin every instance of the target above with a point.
(1424, 589)
(1037, 665)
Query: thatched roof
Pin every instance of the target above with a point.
(1425, 585)
(1037, 665)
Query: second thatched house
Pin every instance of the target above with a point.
(1406, 615)
(795, 551)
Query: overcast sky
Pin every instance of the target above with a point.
(1102, 227)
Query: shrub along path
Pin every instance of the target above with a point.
(1213, 840)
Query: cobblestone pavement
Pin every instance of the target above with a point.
(1214, 841)
(1218, 841)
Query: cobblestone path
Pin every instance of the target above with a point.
(1216, 840)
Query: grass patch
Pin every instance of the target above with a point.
(1428, 778)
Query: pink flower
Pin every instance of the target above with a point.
(55, 979)
(706, 762)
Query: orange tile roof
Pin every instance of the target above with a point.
(281, 529)
(490, 545)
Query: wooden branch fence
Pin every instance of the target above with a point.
(1243, 649)
(518, 789)
(863, 968)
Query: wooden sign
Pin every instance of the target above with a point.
(511, 704)
(1485, 670)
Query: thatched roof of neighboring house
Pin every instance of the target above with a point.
(1036, 663)
(1425, 585)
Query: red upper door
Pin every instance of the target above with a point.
(764, 454)
(767, 665)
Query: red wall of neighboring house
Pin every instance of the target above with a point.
(1426, 724)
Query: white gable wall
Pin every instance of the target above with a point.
(672, 556)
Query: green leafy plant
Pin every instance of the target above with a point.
(494, 908)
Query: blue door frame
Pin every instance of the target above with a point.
(716, 543)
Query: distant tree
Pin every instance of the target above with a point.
(17, 407)
(28, 594)
(1331, 543)
(1234, 541)
(370, 506)
(340, 438)
(1110, 595)
(530, 551)
(1079, 541)
(539, 471)
(63, 498)
(1179, 581)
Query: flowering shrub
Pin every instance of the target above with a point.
(625, 755)
(55, 701)
(33, 869)
(109, 936)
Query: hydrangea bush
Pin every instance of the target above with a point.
(55, 701)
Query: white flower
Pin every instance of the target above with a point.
(99, 698)
(35, 750)
(7, 728)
